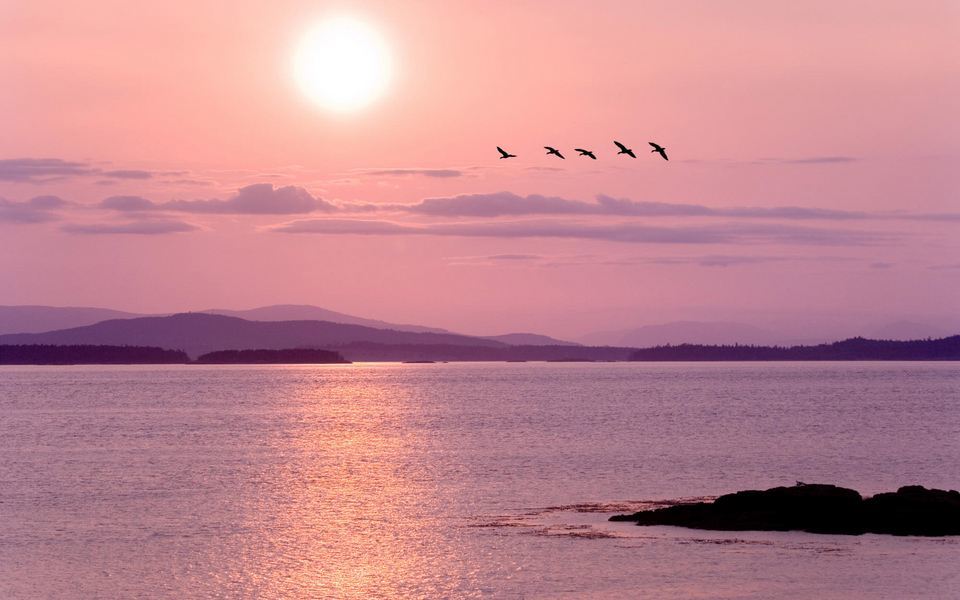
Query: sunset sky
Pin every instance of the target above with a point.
(161, 156)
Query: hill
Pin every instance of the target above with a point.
(198, 333)
(306, 312)
(528, 339)
(34, 319)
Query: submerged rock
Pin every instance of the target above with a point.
(817, 508)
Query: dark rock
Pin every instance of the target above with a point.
(914, 510)
(817, 508)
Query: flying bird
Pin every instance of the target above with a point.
(504, 154)
(658, 148)
(586, 153)
(553, 151)
(624, 149)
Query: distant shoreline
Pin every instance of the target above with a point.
(855, 349)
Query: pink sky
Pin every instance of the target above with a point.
(814, 162)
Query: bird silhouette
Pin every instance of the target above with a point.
(553, 151)
(624, 149)
(586, 153)
(504, 154)
(658, 148)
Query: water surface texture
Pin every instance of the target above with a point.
(458, 480)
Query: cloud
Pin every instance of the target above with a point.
(632, 233)
(881, 265)
(509, 204)
(36, 210)
(579, 260)
(921, 216)
(719, 260)
(147, 227)
(47, 202)
(514, 257)
(811, 160)
(40, 169)
(495, 258)
(626, 207)
(256, 199)
(348, 227)
(439, 173)
(802, 160)
(188, 181)
(127, 174)
(500, 204)
(128, 204)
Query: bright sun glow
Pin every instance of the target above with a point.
(342, 64)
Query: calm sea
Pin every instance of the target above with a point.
(458, 480)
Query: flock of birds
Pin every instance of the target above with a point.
(589, 153)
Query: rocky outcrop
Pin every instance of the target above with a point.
(817, 508)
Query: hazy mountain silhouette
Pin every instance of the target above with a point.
(306, 312)
(33, 319)
(528, 339)
(687, 332)
(36, 319)
(197, 333)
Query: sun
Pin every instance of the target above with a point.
(342, 64)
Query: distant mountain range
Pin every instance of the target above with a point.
(36, 319)
(198, 333)
(39, 319)
(528, 339)
(305, 312)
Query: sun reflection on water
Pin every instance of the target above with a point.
(352, 506)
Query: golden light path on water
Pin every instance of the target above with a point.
(355, 518)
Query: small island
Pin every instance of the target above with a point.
(272, 357)
(817, 508)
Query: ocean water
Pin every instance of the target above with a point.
(459, 480)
